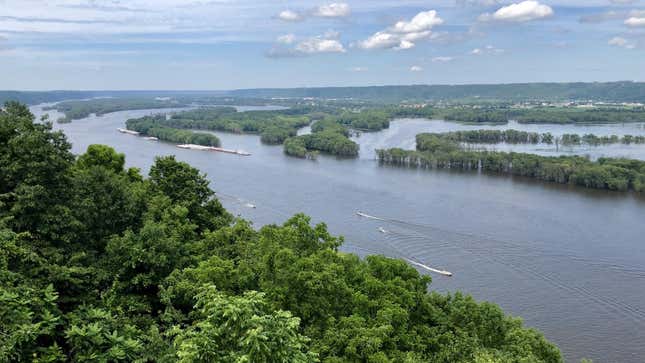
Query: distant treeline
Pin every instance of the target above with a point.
(37, 97)
(76, 110)
(591, 139)
(624, 91)
(153, 126)
(569, 115)
(498, 136)
(612, 92)
(523, 137)
(497, 114)
(440, 153)
(34, 98)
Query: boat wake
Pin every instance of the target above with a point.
(513, 256)
(419, 264)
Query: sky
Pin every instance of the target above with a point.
(234, 44)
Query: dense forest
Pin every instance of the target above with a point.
(273, 126)
(153, 126)
(329, 142)
(365, 120)
(99, 264)
(75, 110)
(329, 136)
(434, 151)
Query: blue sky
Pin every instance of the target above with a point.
(229, 44)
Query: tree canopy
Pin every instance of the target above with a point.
(99, 264)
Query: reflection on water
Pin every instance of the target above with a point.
(570, 261)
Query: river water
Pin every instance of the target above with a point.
(570, 261)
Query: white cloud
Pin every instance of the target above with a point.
(333, 10)
(621, 42)
(635, 22)
(423, 21)
(320, 45)
(289, 15)
(288, 46)
(442, 59)
(404, 34)
(405, 44)
(286, 39)
(489, 49)
(416, 69)
(521, 12)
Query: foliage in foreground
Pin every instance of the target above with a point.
(99, 264)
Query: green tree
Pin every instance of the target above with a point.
(185, 186)
(241, 329)
(34, 174)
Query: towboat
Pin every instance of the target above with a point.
(213, 148)
(126, 131)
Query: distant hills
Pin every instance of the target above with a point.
(611, 92)
(624, 91)
(37, 97)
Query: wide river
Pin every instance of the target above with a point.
(570, 261)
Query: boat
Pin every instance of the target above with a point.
(151, 138)
(365, 215)
(440, 272)
(213, 148)
(249, 205)
(382, 230)
(126, 131)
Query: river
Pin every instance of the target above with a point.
(569, 261)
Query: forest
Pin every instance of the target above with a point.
(273, 126)
(75, 110)
(569, 115)
(496, 114)
(101, 264)
(511, 136)
(329, 136)
(436, 152)
(365, 120)
(153, 126)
